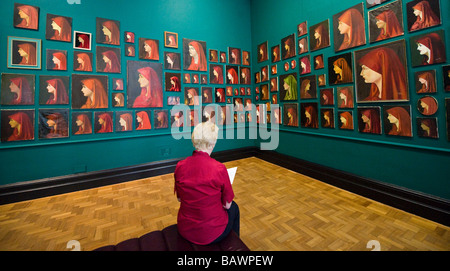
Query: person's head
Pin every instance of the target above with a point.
(204, 136)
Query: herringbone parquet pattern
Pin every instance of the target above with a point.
(280, 210)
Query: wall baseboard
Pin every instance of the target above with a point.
(424, 205)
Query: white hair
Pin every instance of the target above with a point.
(204, 136)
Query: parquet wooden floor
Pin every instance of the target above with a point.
(280, 210)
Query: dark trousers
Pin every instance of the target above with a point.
(233, 222)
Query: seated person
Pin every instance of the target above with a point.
(207, 211)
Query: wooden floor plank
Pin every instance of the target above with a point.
(280, 210)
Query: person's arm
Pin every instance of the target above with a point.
(227, 190)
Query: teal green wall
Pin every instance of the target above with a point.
(415, 163)
(220, 23)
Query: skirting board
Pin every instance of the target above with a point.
(424, 205)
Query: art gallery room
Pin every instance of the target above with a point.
(328, 123)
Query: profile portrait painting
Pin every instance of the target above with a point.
(54, 89)
(246, 58)
(82, 61)
(56, 60)
(118, 99)
(232, 75)
(349, 28)
(381, 73)
(397, 120)
(308, 87)
(172, 81)
(129, 37)
(344, 96)
(143, 120)
(53, 123)
(144, 84)
(160, 119)
(386, 22)
(108, 59)
(89, 91)
(369, 120)
(24, 53)
(290, 114)
(288, 87)
(148, 49)
(327, 96)
(288, 47)
(446, 77)
(103, 122)
(234, 56)
(213, 55)
(275, 53)
(427, 105)
(124, 121)
(340, 69)
(303, 46)
(191, 96)
(309, 117)
(427, 127)
(26, 16)
(170, 39)
(345, 120)
(262, 52)
(108, 31)
(425, 81)
(422, 14)
(172, 61)
(428, 49)
(130, 50)
(319, 35)
(194, 55)
(216, 74)
(327, 117)
(82, 40)
(17, 125)
(302, 28)
(305, 65)
(58, 28)
(17, 89)
(82, 123)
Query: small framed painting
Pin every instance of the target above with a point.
(170, 39)
(82, 40)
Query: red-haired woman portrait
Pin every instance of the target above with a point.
(124, 121)
(27, 52)
(423, 14)
(346, 120)
(349, 28)
(111, 61)
(345, 97)
(21, 89)
(143, 120)
(59, 28)
(53, 123)
(309, 115)
(216, 74)
(83, 62)
(151, 89)
(20, 125)
(340, 69)
(382, 73)
(129, 37)
(104, 122)
(161, 119)
(398, 121)
(194, 53)
(234, 55)
(426, 82)
(288, 47)
(327, 96)
(232, 75)
(56, 60)
(427, 105)
(262, 52)
(427, 127)
(319, 36)
(57, 91)
(429, 49)
(82, 123)
(26, 16)
(386, 22)
(220, 95)
(290, 117)
(305, 65)
(95, 93)
(82, 40)
(172, 61)
(276, 53)
(369, 121)
(327, 116)
(148, 49)
(108, 31)
(175, 84)
(191, 96)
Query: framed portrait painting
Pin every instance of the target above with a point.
(172, 61)
(89, 91)
(234, 55)
(56, 60)
(129, 37)
(82, 40)
(425, 81)
(148, 49)
(428, 49)
(446, 77)
(170, 39)
(54, 89)
(262, 51)
(143, 120)
(144, 84)
(302, 28)
(372, 3)
(319, 35)
(58, 28)
(194, 55)
(288, 47)
(381, 73)
(309, 117)
(386, 22)
(124, 121)
(397, 120)
(17, 125)
(290, 114)
(349, 28)
(108, 59)
(427, 127)
(82, 61)
(340, 69)
(308, 87)
(107, 31)
(26, 16)
(82, 123)
(422, 14)
(53, 123)
(17, 89)
(288, 87)
(345, 120)
(103, 122)
(369, 120)
(24, 53)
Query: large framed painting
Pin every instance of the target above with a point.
(17, 125)
(319, 35)
(194, 55)
(428, 49)
(397, 120)
(89, 91)
(58, 28)
(26, 16)
(349, 28)
(24, 53)
(144, 84)
(107, 31)
(108, 59)
(17, 89)
(381, 73)
(422, 14)
(386, 22)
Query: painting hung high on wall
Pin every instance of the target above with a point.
(308, 87)
(422, 14)
(170, 39)
(89, 91)
(319, 35)
(194, 55)
(129, 37)
(349, 28)
(371, 3)
(17, 89)
(148, 49)
(107, 31)
(82, 61)
(54, 89)
(172, 61)
(381, 73)
(288, 47)
(82, 40)
(397, 120)
(234, 55)
(17, 125)
(303, 46)
(108, 59)
(26, 16)
(24, 53)
(262, 51)
(340, 69)
(56, 60)
(302, 28)
(58, 28)
(428, 49)
(53, 123)
(288, 87)
(386, 22)
(144, 81)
